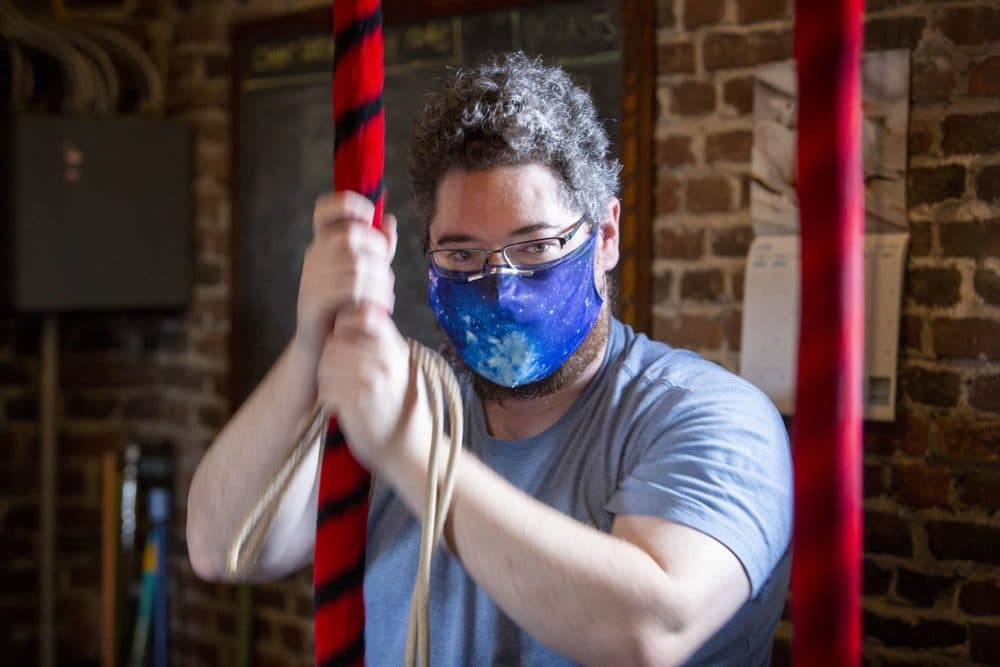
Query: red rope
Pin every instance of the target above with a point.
(826, 574)
(342, 522)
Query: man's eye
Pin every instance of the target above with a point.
(540, 248)
(459, 255)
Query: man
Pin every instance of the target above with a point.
(619, 502)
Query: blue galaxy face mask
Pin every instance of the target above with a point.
(515, 326)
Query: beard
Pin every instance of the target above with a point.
(568, 373)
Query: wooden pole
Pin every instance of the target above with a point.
(109, 559)
(47, 492)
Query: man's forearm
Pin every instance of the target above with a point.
(590, 596)
(243, 459)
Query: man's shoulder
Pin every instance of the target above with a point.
(656, 362)
(683, 386)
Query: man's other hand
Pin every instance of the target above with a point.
(347, 263)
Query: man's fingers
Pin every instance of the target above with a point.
(363, 321)
(333, 208)
(390, 228)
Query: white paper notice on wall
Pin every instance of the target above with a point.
(769, 346)
(771, 320)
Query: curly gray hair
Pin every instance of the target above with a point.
(510, 112)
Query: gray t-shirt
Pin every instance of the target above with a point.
(659, 432)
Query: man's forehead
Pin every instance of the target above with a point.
(512, 200)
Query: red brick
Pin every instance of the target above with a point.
(94, 373)
(704, 285)
(689, 331)
(970, 25)
(984, 643)
(667, 199)
(736, 285)
(873, 483)
(979, 489)
(887, 533)
(680, 243)
(978, 239)
(692, 98)
(662, 284)
(724, 50)
(930, 286)
(909, 434)
(920, 486)
(876, 579)
(732, 241)
(969, 338)
(76, 406)
(923, 589)
(733, 326)
(911, 330)
(752, 11)
(912, 633)
(739, 94)
(934, 184)
(675, 58)
(211, 417)
(893, 33)
(674, 150)
(970, 438)
(183, 377)
(921, 138)
(980, 598)
(984, 77)
(971, 133)
(702, 12)
(931, 387)
(988, 182)
(734, 146)
(987, 284)
(708, 194)
(921, 238)
(964, 540)
(984, 393)
(107, 439)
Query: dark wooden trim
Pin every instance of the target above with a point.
(637, 119)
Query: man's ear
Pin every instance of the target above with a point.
(608, 236)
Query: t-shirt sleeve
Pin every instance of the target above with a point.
(714, 458)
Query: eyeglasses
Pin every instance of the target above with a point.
(521, 258)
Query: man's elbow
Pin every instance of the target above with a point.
(655, 646)
(205, 561)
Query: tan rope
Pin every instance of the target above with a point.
(443, 392)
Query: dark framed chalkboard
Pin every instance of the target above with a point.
(283, 140)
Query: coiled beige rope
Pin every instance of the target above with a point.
(443, 392)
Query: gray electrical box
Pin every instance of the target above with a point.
(95, 213)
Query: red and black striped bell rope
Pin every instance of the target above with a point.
(342, 521)
(826, 571)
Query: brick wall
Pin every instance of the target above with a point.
(148, 376)
(932, 480)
